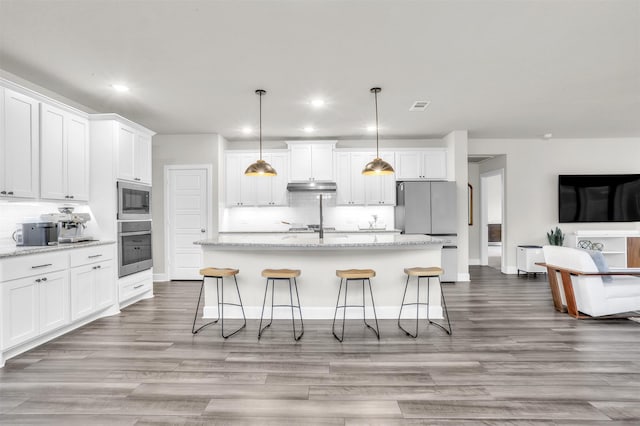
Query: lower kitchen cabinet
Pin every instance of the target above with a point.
(45, 295)
(92, 288)
(34, 305)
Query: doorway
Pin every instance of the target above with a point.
(492, 229)
(187, 218)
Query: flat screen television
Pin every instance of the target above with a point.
(599, 198)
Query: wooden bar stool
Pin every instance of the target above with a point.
(347, 276)
(428, 273)
(282, 274)
(219, 274)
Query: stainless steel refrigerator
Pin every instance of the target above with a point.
(431, 208)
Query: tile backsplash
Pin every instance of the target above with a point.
(303, 210)
(14, 212)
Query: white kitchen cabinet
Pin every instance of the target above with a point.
(64, 147)
(349, 178)
(92, 288)
(134, 155)
(428, 164)
(272, 190)
(93, 281)
(381, 190)
(311, 161)
(19, 145)
(34, 305)
(239, 188)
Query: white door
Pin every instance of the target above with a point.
(54, 301)
(77, 158)
(53, 179)
(188, 219)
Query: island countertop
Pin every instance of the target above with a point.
(312, 241)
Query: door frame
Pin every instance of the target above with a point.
(484, 220)
(167, 228)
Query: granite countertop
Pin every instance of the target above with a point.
(10, 249)
(311, 241)
(311, 231)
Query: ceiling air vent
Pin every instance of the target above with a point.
(419, 105)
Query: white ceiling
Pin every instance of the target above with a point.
(497, 68)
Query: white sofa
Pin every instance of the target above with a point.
(582, 287)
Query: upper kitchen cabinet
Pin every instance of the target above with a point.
(272, 190)
(19, 145)
(239, 188)
(247, 191)
(64, 147)
(381, 190)
(311, 161)
(134, 155)
(427, 164)
(350, 181)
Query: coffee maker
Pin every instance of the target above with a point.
(71, 225)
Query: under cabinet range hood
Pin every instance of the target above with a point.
(312, 187)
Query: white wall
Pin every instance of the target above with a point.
(494, 196)
(532, 167)
(174, 150)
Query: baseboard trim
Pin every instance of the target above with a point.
(161, 277)
(511, 270)
(321, 312)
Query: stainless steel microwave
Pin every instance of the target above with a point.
(134, 201)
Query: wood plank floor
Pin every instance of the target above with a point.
(512, 360)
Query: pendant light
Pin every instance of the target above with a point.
(260, 167)
(378, 166)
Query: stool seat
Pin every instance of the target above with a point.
(280, 273)
(356, 274)
(218, 272)
(432, 271)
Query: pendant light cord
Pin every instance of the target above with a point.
(377, 149)
(260, 92)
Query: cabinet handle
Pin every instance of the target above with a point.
(10, 193)
(44, 279)
(138, 286)
(3, 192)
(94, 256)
(97, 267)
(38, 280)
(41, 266)
(70, 196)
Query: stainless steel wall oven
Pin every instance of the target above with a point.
(134, 247)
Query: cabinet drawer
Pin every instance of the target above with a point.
(89, 255)
(134, 285)
(36, 264)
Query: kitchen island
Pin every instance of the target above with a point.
(388, 254)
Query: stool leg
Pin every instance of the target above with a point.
(406, 286)
(264, 302)
(238, 304)
(293, 318)
(333, 327)
(445, 311)
(373, 305)
(193, 327)
(295, 283)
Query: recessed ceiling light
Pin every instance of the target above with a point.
(318, 103)
(419, 105)
(309, 129)
(246, 130)
(120, 88)
(547, 136)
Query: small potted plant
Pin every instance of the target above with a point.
(555, 237)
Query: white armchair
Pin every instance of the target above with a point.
(581, 285)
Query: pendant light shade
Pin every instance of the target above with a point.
(378, 166)
(260, 167)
